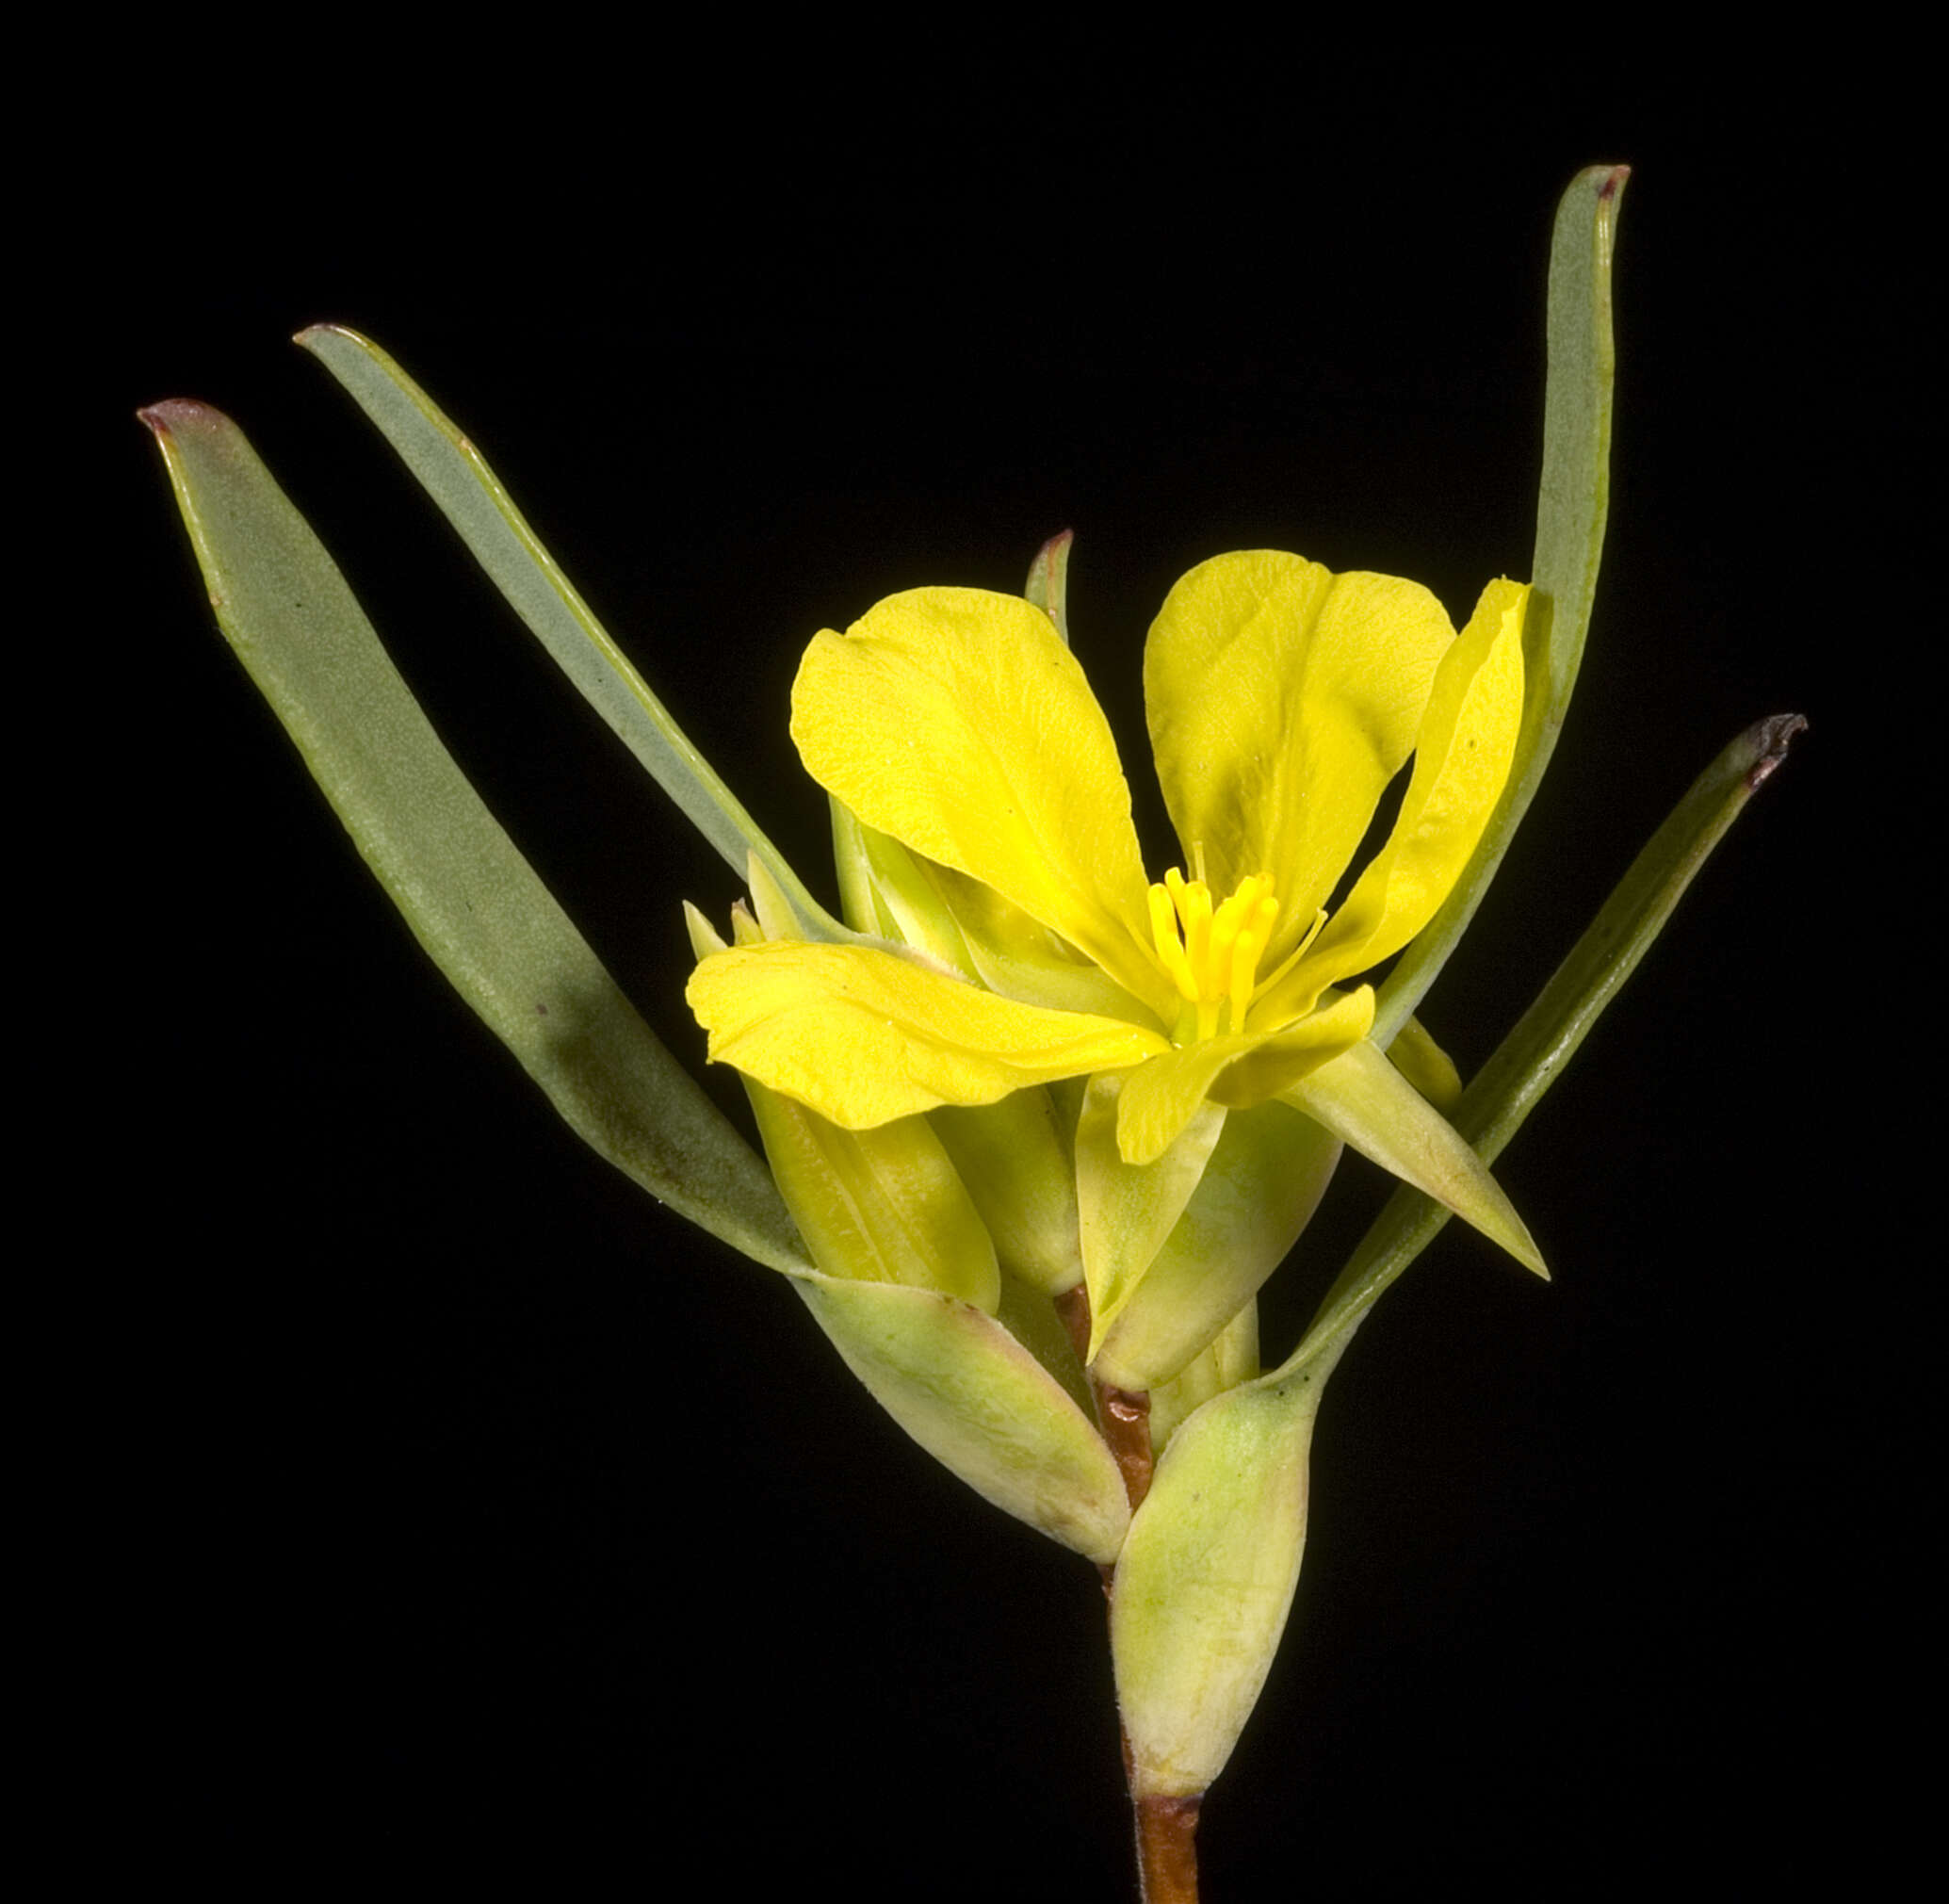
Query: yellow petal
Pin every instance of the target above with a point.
(1159, 1099)
(957, 721)
(1282, 1060)
(1014, 954)
(1426, 1065)
(1462, 760)
(1282, 699)
(862, 1036)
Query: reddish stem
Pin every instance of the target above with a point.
(1167, 1856)
(1167, 1852)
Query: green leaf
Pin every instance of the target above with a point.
(455, 474)
(1531, 1057)
(1048, 581)
(470, 898)
(1571, 506)
(1208, 1571)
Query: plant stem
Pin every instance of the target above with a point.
(1166, 1828)
(1167, 1852)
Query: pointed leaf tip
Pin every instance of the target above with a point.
(1769, 739)
(177, 413)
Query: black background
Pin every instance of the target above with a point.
(464, 1508)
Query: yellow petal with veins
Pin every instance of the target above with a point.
(1282, 699)
(956, 720)
(863, 1036)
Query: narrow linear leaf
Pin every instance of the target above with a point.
(1531, 1057)
(469, 494)
(1572, 504)
(1206, 1576)
(471, 899)
(1048, 580)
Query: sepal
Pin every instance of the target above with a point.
(1364, 1100)
(1263, 1181)
(980, 1404)
(1206, 1580)
(1128, 1211)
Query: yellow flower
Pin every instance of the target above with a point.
(1281, 701)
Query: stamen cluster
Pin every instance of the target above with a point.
(1211, 955)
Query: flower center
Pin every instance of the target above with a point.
(1211, 955)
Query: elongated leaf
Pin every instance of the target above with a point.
(1048, 580)
(470, 898)
(1206, 1579)
(1572, 503)
(1531, 1057)
(471, 497)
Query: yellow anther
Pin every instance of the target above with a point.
(1213, 955)
(1170, 948)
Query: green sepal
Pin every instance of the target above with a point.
(981, 1405)
(884, 1205)
(858, 905)
(1206, 1580)
(471, 899)
(1022, 1177)
(1223, 1364)
(1262, 1185)
(1367, 1103)
(1125, 1212)
(879, 879)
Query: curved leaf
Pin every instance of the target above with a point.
(1531, 1057)
(1572, 503)
(456, 475)
(471, 899)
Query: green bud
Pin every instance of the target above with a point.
(1206, 1580)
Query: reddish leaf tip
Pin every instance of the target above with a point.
(175, 413)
